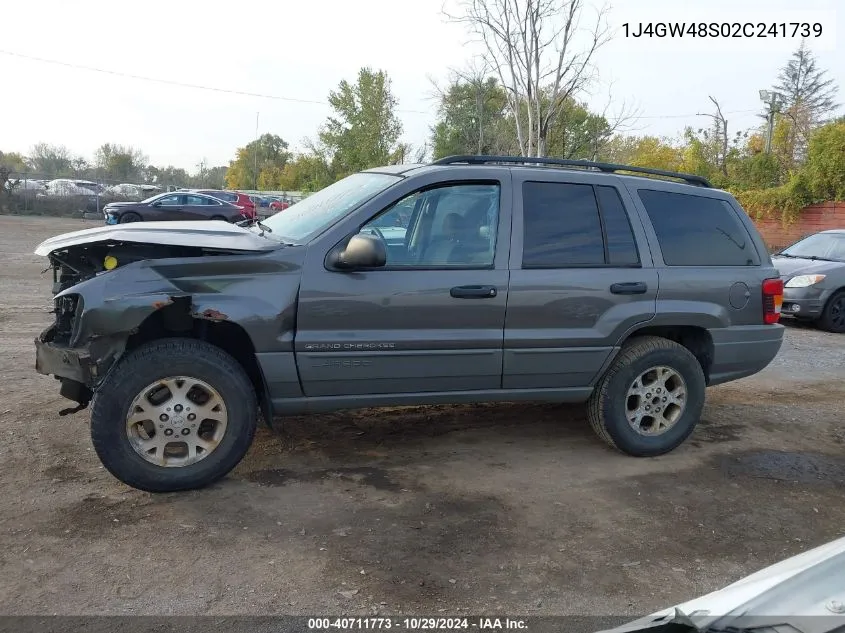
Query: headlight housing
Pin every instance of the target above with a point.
(803, 281)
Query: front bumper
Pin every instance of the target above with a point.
(802, 302)
(64, 362)
(80, 369)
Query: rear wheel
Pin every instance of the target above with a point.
(131, 216)
(174, 414)
(650, 399)
(833, 316)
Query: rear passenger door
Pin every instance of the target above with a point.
(707, 260)
(579, 280)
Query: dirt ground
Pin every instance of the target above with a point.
(489, 509)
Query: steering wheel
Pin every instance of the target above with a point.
(378, 232)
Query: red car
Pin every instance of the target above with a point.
(240, 199)
(279, 205)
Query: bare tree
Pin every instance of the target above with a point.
(534, 47)
(720, 135)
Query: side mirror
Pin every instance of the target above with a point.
(362, 251)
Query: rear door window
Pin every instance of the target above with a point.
(698, 230)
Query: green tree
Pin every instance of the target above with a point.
(268, 152)
(825, 168)
(575, 132)
(168, 176)
(809, 98)
(51, 161)
(364, 131)
(121, 163)
(471, 119)
(14, 162)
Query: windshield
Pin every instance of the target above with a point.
(820, 245)
(317, 212)
(152, 198)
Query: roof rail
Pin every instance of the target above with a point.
(562, 162)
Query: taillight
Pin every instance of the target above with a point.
(772, 300)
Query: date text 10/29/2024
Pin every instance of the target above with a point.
(723, 29)
(416, 624)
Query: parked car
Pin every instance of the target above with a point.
(813, 270)
(802, 594)
(279, 204)
(563, 282)
(233, 197)
(173, 206)
(127, 190)
(67, 187)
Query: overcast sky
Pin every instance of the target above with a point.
(301, 50)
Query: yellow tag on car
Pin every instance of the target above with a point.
(110, 262)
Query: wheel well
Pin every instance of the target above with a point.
(175, 321)
(696, 339)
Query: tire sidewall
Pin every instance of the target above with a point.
(826, 321)
(615, 396)
(130, 214)
(135, 372)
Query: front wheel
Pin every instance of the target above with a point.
(131, 216)
(833, 316)
(650, 399)
(174, 414)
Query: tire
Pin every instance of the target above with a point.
(160, 361)
(833, 315)
(218, 217)
(608, 405)
(131, 216)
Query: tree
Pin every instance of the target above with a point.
(14, 162)
(267, 152)
(826, 162)
(168, 176)
(535, 49)
(120, 163)
(472, 118)
(809, 98)
(718, 137)
(305, 172)
(364, 131)
(51, 161)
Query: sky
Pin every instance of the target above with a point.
(297, 52)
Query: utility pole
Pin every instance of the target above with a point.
(773, 100)
(255, 154)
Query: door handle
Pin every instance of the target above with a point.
(473, 292)
(629, 288)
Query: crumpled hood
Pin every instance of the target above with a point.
(202, 234)
(799, 587)
(791, 266)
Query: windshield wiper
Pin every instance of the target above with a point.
(255, 222)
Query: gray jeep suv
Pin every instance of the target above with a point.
(475, 278)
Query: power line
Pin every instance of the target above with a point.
(171, 82)
(259, 95)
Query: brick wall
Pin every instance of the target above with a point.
(816, 217)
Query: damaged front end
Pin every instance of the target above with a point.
(103, 291)
(60, 350)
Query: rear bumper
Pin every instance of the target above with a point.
(742, 351)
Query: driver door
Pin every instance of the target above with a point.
(432, 319)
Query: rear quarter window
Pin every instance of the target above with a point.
(698, 231)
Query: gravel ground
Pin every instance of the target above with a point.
(492, 509)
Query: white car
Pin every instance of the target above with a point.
(66, 187)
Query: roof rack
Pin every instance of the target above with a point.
(561, 162)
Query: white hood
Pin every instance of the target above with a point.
(203, 234)
(805, 596)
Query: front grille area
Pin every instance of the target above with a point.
(66, 312)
